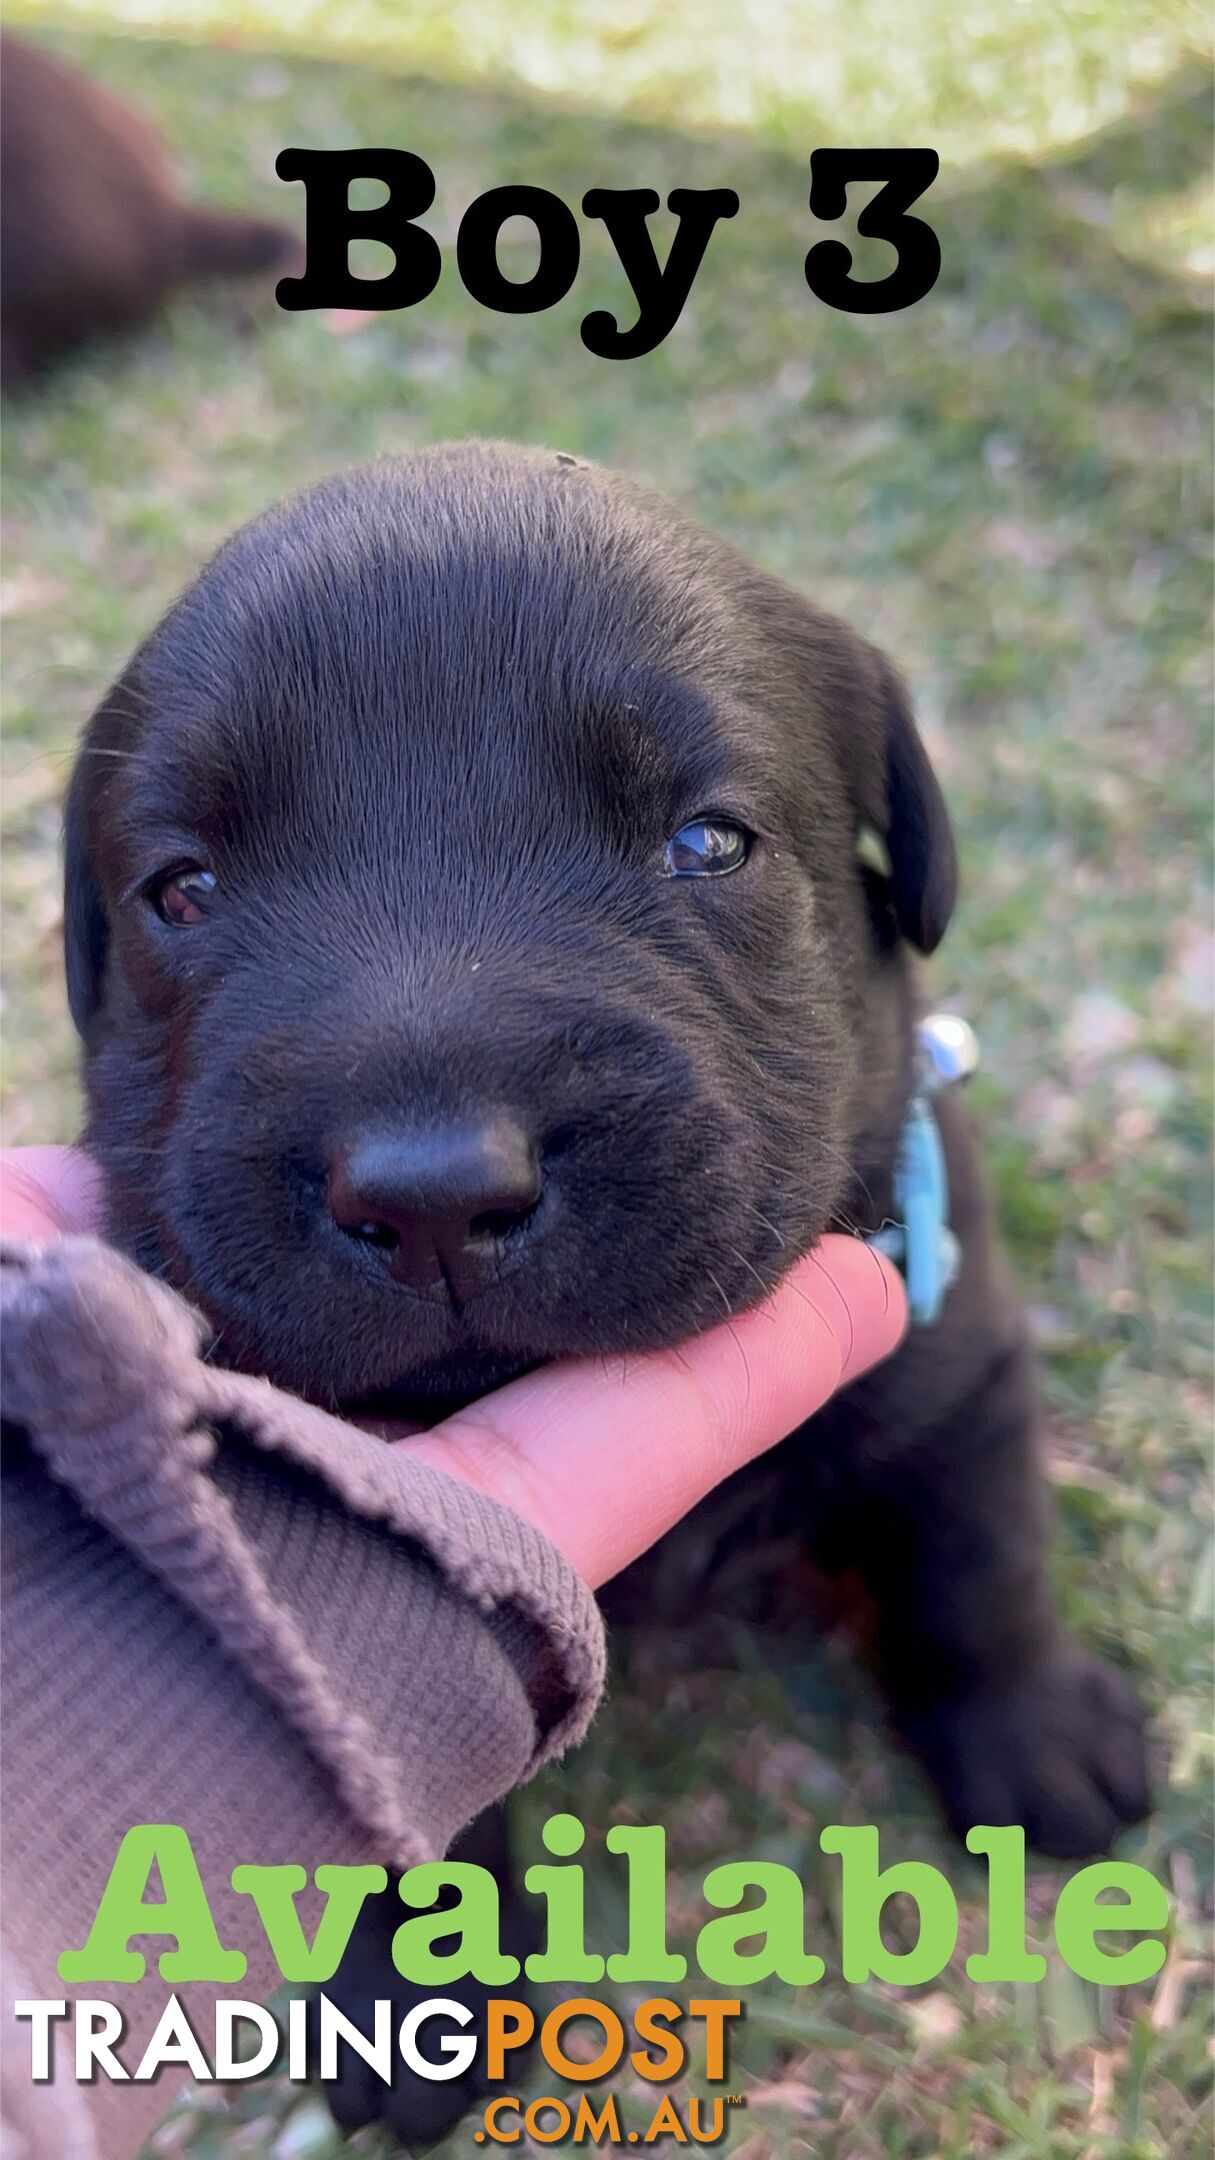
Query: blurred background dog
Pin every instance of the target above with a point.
(94, 233)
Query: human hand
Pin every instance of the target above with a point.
(604, 1455)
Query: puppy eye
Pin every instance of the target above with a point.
(707, 847)
(183, 897)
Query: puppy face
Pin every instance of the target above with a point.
(465, 927)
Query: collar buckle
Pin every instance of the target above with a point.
(920, 1241)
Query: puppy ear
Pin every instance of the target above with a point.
(86, 932)
(109, 738)
(897, 795)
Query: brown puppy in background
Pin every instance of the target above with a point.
(476, 966)
(94, 233)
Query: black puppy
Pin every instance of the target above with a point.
(466, 928)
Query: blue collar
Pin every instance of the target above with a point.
(920, 1241)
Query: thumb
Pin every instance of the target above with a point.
(49, 1192)
(604, 1456)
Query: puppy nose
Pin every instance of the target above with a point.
(437, 1203)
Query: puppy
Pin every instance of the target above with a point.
(475, 966)
(93, 232)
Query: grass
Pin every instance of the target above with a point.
(1008, 486)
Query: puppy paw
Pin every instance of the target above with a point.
(416, 2111)
(1061, 1753)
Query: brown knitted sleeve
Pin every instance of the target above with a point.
(224, 1609)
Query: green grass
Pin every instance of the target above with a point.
(1007, 485)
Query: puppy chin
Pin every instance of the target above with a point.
(437, 1391)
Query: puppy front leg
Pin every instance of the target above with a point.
(1013, 1721)
(949, 1518)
